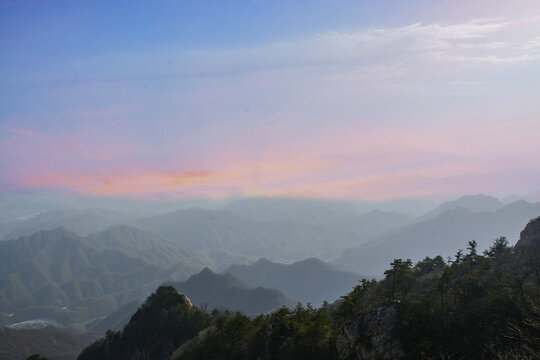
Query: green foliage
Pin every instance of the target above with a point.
(400, 277)
(356, 302)
(462, 309)
(300, 333)
(429, 265)
(500, 245)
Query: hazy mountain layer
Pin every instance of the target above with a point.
(209, 230)
(303, 211)
(150, 247)
(443, 234)
(208, 289)
(116, 320)
(474, 203)
(332, 214)
(81, 222)
(51, 342)
(59, 275)
(309, 280)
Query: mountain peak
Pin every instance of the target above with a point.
(474, 203)
(207, 272)
(167, 296)
(225, 290)
(165, 320)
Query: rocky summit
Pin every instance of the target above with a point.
(165, 321)
(531, 234)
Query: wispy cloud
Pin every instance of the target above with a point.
(417, 110)
(494, 39)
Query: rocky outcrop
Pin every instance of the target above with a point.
(530, 235)
(371, 336)
(165, 321)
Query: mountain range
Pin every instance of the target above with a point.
(310, 280)
(443, 234)
(64, 276)
(59, 275)
(332, 214)
(80, 221)
(150, 247)
(210, 230)
(208, 289)
(474, 203)
(481, 312)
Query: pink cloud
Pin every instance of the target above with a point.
(346, 161)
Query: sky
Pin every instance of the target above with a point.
(357, 100)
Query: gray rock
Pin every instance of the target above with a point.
(530, 235)
(371, 336)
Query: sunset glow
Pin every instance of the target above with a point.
(443, 102)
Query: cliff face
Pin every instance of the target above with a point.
(371, 336)
(531, 234)
(165, 321)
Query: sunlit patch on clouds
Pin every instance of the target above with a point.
(418, 110)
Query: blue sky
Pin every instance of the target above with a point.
(83, 28)
(350, 99)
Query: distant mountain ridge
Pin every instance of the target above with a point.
(71, 278)
(441, 235)
(303, 211)
(80, 221)
(208, 288)
(150, 247)
(211, 290)
(118, 319)
(59, 275)
(336, 215)
(211, 230)
(377, 222)
(310, 280)
(474, 203)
